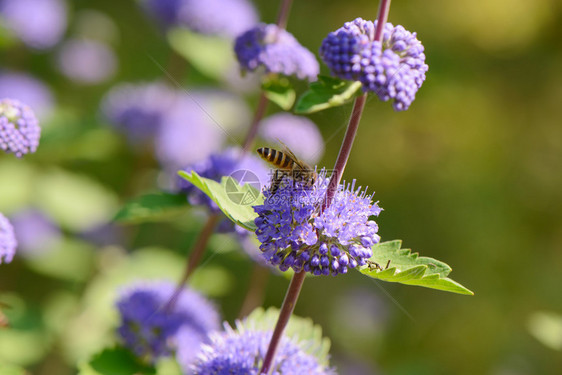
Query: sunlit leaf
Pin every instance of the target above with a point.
(546, 327)
(152, 207)
(235, 201)
(212, 56)
(280, 92)
(409, 268)
(325, 93)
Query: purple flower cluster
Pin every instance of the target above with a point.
(393, 69)
(277, 51)
(19, 129)
(38, 23)
(222, 164)
(241, 351)
(138, 109)
(226, 18)
(8, 241)
(27, 89)
(152, 329)
(299, 133)
(86, 61)
(295, 233)
(36, 233)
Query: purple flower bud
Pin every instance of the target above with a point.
(323, 249)
(277, 51)
(335, 251)
(315, 261)
(19, 129)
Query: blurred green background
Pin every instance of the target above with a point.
(471, 175)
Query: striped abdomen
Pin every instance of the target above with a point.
(277, 158)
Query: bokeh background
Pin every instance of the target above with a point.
(471, 174)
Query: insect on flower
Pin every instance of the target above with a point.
(288, 164)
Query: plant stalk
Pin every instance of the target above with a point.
(286, 311)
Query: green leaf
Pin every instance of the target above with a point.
(7, 369)
(115, 361)
(280, 92)
(235, 201)
(325, 93)
(546, 326)
(212, 56)
(301, 330)
(151, 207)
(409, 268)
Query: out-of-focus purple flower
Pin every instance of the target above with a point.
(139, 110)
(86, 61)
(242, 351)
(246, 169)
(226, 18)
(38, 23)
(35, 232)
(8, 242)
(299, 133)
(393, 69)
(165, 12)
(106, 234)
(19, 129)
(27, 89)
(277, 51)
(198, 126)
(152, 329)
(295, 234)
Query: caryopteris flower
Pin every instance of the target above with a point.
(8, 241)
(19, 129)
(227, 18)
(299, 133)
(277, 51)
(150, 327)
(86, 61)
(241, 352)
(27, 89)
(138, 109)
(393, 69)
(295, 233)
(39, 24)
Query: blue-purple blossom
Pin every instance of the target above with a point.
(86, 61)
(138, 110)
(246, 168)
(19, 129)
(295, 233)
(299, 133)
(197, 126)
(39, 24)
(150, 327)
(27, 89)
(226, 18)
(241, 352)
(393, 69)
(35, 232)
(8, 241)
(276, 51)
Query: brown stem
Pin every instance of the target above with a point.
(382, 17)
(283, 14)
(345, 148)
(258, 116)
(195, 256)
(256, 291)
(286, 311)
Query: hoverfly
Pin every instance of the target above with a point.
(288, 164)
